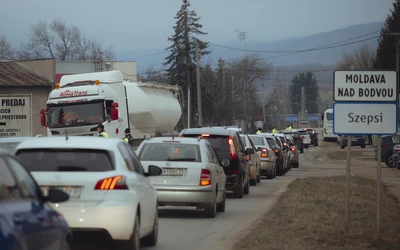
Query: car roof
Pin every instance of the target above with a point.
(15, 139)
(186, 140)
(209, 130)
(77, 142)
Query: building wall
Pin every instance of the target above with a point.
(46, 66)
(128, 69)
(39, 99)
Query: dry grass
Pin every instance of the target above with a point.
(342, 154)
(310, 215)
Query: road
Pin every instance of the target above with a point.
(186, 228)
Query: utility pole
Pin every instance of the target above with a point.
(223, 90)
(242, 36)
(303, 104)
(200, 117)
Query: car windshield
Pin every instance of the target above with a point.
(258, 140)
(70, 160)
(75, 114)
(170, 152)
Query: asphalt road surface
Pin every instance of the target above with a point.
(186, 228)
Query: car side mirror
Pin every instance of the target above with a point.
(225, 163)
(249, 151)
(153, 171)
(57, 195)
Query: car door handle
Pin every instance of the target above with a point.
(18, 219)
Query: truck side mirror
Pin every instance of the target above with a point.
(114, 111)
(42, 118)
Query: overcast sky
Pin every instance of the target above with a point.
(146, 24)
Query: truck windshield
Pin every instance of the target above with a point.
(75, 114)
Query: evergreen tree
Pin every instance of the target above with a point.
(308, 81)
(181, 61)
(385, 55)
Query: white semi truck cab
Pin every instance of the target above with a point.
(81, 102)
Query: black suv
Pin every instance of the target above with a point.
(297, 138)
(313, 135)
(228, 145)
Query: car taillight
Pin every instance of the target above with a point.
(232, 148)
(205, 177)
(300, 138)
(293, 149)
(234, 172)
(248, 157)
(112, 183)
(264, 152)
(276, 151)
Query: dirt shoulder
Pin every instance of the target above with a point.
(311, 215)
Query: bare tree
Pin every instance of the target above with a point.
(6, 51)
(361, 58)
(62, 42)
(153, 74)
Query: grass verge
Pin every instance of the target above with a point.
(310, 215)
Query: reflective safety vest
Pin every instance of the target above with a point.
(274, 131)
(129, 139)
(289, 128)
(104, 134)
(258, 132)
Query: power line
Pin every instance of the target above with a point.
(149, 55)
(295, 51)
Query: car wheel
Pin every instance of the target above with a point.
(301, 150)
(211, 212)
(389, 161)
(247, 188)
(151, 239)
(305, 146)
(363, 146)
(279, 171)
(253, 182)
(239, 191)
(221, 206)
(259, 177)
(342, 147)
(134, 242)
(316, 144)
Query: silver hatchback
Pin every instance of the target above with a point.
(192, 174)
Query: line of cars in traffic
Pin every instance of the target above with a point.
(84, 185)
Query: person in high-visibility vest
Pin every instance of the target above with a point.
(101, 131)
(289, 127)
(128, 137)
(259, 131)
(274, 130)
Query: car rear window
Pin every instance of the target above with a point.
(170, 152)
(219, 142)
(258, 140)
(271, 143)
(303, 133)
(66, 160)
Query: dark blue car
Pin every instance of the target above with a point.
(27, 221)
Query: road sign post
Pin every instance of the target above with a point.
(365, 104)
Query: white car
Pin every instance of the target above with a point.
(192, 174)
(306, 138)
(106, 183)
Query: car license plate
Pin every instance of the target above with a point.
(73, 192)
(172, 171)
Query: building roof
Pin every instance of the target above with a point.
(17, 74)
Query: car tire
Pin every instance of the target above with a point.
(259, 177)
(301, 150)
(151, 239)
(247, 188)
(296, 165)
(388, 160)
(305, 146)
(279, 171)
(342, 147)
(221, 206)
(253, 182)
(316, 144)
(363, 146)
(134, 242)
(211, 212)
(238, 193)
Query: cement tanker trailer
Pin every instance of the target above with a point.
(79, 103)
